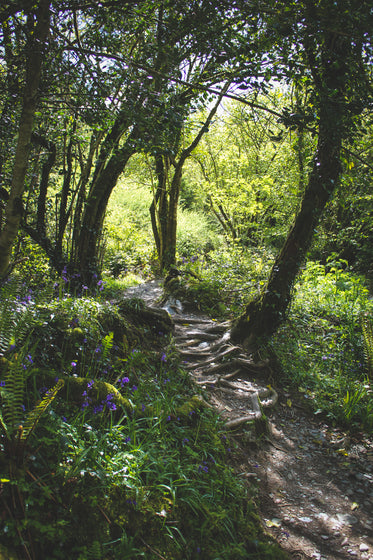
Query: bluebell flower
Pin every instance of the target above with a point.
(98, 408)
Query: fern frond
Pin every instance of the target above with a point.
(35, 414)
(7, 325)
(13, 395)
(16, 320)
(107, 345)
(4, 426)
(367, 330)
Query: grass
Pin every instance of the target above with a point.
(99, 480)
(321, 346)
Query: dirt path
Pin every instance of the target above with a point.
(315, 485)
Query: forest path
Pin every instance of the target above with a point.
(315, 484)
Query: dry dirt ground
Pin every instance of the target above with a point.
(314, 488)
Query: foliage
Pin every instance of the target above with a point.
(197, 234)
(321, 346)
(248, 168)
(109, 481)
(221, 281)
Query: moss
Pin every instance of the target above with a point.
(75, 387)
(191, 407)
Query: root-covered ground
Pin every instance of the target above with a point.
(314, 484)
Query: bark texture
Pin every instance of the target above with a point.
(35, 54)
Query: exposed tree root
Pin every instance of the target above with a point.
(225, 369)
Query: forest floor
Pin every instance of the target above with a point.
(313, 483)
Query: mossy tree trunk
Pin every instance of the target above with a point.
(88, 236)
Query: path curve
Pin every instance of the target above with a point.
(315, 485)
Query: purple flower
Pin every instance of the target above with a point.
(123, 381)
(2, 383)
(163, 357)
(101, 285)
(73, 364)
(127, 439)
(143, 407)
(90, 384)
(134, 388)
(98, 408)
(108, 402)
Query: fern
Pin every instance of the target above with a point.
(35, 414)
(16, 319)
(12, 396)
(107, 345)
(367, 330)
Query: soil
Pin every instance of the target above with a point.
(314, 488)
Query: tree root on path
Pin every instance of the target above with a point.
(257, 406)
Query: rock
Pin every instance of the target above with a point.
(363, 547)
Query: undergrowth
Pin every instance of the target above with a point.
(322, 348)
(126, 461)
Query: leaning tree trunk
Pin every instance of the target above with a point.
(86, 260)
(264, 314)
(14, 208)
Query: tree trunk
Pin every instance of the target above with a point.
(264, 314)
(164, 207)
(86, 263)
(14, 208)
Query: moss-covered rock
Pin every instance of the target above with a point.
(82, 390)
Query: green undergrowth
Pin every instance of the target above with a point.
(221, 281)
(322, 349)
(124, 460)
